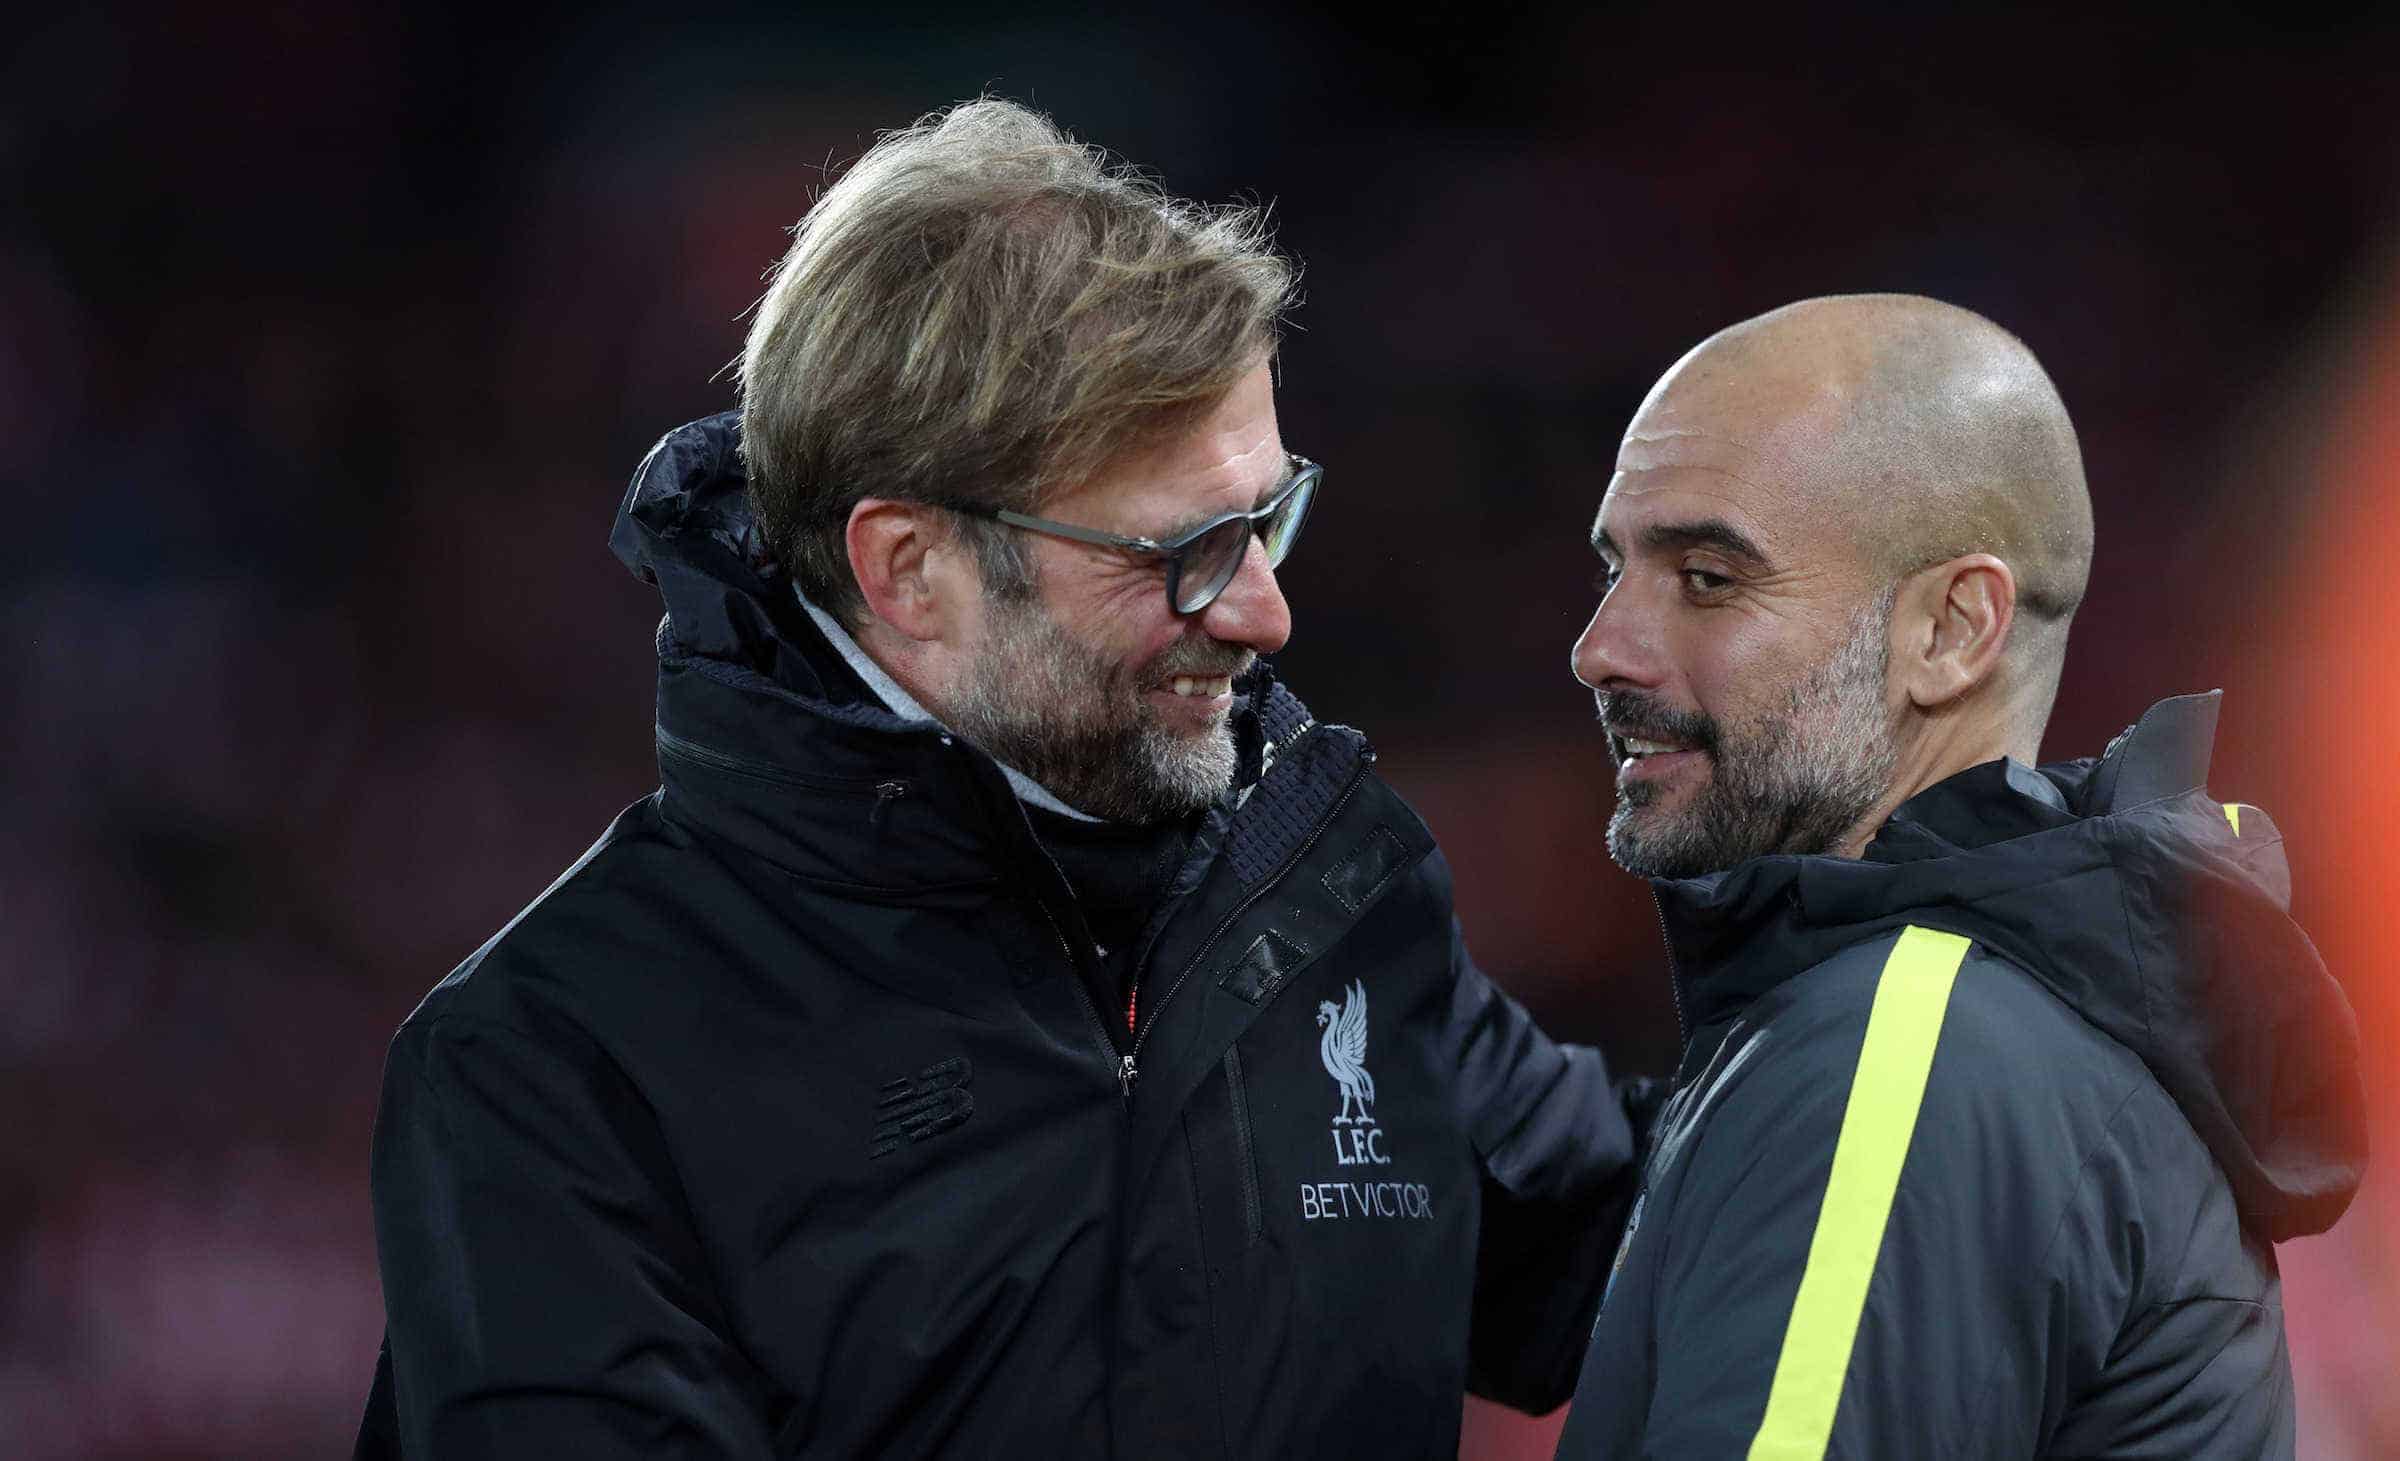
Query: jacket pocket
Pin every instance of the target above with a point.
(1245, 1154)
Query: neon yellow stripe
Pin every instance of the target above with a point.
(1902, 1029)
(2233, 817)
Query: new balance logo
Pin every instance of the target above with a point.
(932, 1101)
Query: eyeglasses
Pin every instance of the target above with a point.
(1202, 562)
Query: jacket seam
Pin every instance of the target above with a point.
(2042, 1264)
(1211, 1284)
(2183, 1258)
(2171, 1305)
(2223, 1349)
(2133, 951)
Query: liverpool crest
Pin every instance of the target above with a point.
(1343, 1047)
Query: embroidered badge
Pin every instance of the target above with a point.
(1343, 1048)
(928, 1103)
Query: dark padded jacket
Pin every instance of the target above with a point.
(784, 1124)
(1982, 1143)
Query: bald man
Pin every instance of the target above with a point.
(2000, 1082)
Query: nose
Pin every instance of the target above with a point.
(1616, 649)
(1251, 611)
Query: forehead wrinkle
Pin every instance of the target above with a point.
(1237, 463)
(1190, 520)
(1758, 505)
(1725, 472)
(1657, 436)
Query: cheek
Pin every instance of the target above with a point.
(1124, 620)
(1735, 672)
(1138, 642)
(1711, 662)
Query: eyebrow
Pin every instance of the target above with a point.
(1707, 532)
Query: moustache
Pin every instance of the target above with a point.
(1638, 715)
(1199, 658)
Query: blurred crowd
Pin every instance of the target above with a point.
(328, 335)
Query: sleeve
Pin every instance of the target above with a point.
(544, 1291)
(1874, 1252)
(1556, 1146)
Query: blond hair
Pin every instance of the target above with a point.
(980, 311)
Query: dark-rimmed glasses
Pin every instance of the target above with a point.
(1200, 563)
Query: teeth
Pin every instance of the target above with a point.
(1647, 748)
(1205, 686)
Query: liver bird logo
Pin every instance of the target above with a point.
(1344, 1048)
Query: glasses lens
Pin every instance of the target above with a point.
(1210, 564)
(1282, 530)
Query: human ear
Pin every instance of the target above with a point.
(899, 553)
(1950, 627)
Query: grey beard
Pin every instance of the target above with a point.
(1076, 721)
(1795, 782)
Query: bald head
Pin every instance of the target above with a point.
(1916, 433)
(1924, 429)
(1841, 548)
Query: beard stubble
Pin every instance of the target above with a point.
(1076, 721)
(1795, 780)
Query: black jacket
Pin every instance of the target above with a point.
(1982, 1143)
(783, 1124)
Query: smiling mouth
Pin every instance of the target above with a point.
(1632, 752)
(1199, 687)
(1635, 746)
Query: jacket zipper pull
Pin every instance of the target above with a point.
(886, 793)
(1126, 1075)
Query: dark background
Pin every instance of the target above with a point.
(329, 334)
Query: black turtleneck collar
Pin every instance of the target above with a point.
(1119, 872)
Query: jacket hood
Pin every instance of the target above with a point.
(2159, 914)
(687, 528)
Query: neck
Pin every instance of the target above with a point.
(1946, 742)
(902, 666)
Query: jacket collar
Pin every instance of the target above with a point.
(2159, 915)
(1964, 841)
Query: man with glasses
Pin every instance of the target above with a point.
(1016, 1026)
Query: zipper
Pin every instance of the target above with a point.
(1125, 1069)
(1253, 1222)
(1130, 1072)
(699, 755)
(1683, 1033)
(1083, 996)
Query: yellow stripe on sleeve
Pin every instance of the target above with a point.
(2233, 817)
(1903, 1027)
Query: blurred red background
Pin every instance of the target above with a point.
(328, 335)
